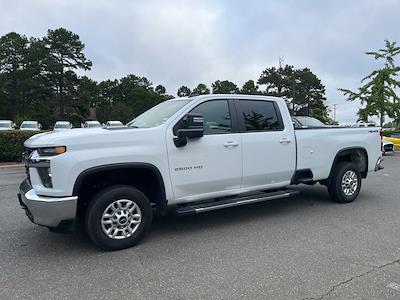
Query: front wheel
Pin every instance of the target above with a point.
(118, 217)
(345, 183)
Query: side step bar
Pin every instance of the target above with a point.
(220, 203)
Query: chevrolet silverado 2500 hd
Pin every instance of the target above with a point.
(189, 155)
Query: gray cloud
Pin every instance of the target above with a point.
(187, 42)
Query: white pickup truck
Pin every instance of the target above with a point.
(188, 155)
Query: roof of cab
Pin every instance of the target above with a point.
(227, 96)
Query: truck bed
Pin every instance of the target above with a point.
(318, 147)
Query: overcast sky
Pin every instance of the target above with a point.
(178, 43)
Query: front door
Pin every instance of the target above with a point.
(209, 166)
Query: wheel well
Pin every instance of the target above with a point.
(358, 156)
(145, 178)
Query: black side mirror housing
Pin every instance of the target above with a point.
(192, 127)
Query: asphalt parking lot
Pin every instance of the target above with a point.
(301, 248)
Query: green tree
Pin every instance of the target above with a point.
(201, 89)
(160, 89)
(126, 98)
(378, 92)
(4, 112)
(224, 87)
(38, 102)
(109, 95)
(278, 82)
(302, 90)
(86, 96)
(309, 95)
(250, 88)
(65, 56)
(183, 91)
(13, 51)
(23, 92)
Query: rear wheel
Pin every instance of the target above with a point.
(345, 183)
(118, 217)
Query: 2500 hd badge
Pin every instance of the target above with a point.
(189, 168)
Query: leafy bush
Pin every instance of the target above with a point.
(12, 144)
(389, 133)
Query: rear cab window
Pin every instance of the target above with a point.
(259, 115)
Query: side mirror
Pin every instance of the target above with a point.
(192, 127)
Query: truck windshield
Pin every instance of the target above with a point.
(158, 114)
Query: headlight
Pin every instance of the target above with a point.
(51, 151)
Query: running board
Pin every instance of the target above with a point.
(220, 203)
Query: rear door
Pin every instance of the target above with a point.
(268, 144)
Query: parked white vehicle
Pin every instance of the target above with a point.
(62, 126)
(91, 124)
(30, 126)
(362, 124)
(307, 122)
(6, 125)
(114, 124)
(387, 146)
(189, 155)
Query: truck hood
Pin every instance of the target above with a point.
(96, 138)
(64, 138)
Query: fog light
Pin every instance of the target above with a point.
(45, 177)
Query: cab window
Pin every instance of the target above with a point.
(217, 119)
(259, 116)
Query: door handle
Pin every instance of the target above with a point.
(285, 141)
(231, 144)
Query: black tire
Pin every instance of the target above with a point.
(103, 200)
(336, 191)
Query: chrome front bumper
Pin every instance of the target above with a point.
(46, 211)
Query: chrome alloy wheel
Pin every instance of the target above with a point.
(349, 183)
(121, 219)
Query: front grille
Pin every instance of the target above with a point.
(27, 154)
(28, 177)
(25, 158)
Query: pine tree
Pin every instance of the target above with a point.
(378, 92)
